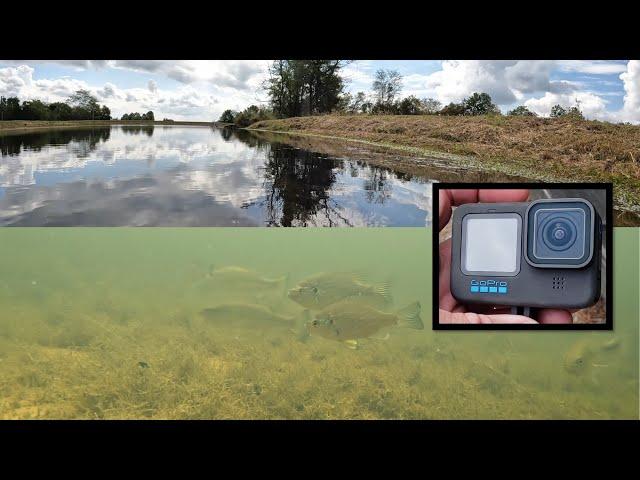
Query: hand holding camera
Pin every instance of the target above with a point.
(505, 253)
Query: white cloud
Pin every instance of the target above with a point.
(631, 83)
(458, 79)
(592, 106)
(598, 67)
(187, 102)
(236, 74)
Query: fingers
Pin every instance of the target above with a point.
(554, 316)
(446, 300)
(507, 195)
(449, 198)
(479, 318)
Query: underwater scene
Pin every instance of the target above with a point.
(309, 323)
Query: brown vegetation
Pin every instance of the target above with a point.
(531, 147)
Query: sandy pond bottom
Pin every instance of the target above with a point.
(104, 323)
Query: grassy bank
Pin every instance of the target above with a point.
(535, 148)
(25, 125)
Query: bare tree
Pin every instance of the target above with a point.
(387, 86)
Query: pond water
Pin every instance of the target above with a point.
(108, 323)
(194, 176)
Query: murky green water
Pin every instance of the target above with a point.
(103, 323)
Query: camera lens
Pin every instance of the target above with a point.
(559, 233)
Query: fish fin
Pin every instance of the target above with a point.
(285, 283)
(301, 328)
(358, 275)
(384, 290)
(409, 316)
(352, 344)
(383, 339)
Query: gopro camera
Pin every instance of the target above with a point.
(541, 254)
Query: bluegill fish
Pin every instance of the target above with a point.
(583, 354)
(350, 320)
(318, 291)
(578, 358)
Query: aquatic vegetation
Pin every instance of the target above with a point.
(117, 337)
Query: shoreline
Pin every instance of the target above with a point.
(22, 126)
(490, 156)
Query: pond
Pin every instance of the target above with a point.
(195, 176)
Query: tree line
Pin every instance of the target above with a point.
(137, 116)
(314, 87)
(81, 105)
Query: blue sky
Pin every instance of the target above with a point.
(201, 90)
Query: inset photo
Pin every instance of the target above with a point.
(522, 256)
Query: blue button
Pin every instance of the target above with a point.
(474, 289)
(493, 289)
(484, 289)
(502, 289)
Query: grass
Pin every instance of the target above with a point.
(91, 365)
(535, 148)
(228, 374)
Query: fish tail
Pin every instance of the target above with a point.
(409, 316)
(384, 290)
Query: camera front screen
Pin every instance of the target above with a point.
(491, 244)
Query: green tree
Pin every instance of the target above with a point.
(557, 111)
(105, 113)
(304, 87)
(521, 111)
(34, 110)
(479, 104)
(410, 105)
(149, 116)
(85, 105)
(574, 113)
(10, 108)
(227, 116)
(252, 114)
(60, 111)
(453, 109)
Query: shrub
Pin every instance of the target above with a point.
(522, 111)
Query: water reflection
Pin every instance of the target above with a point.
(195, 176)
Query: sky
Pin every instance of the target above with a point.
(202, 89)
